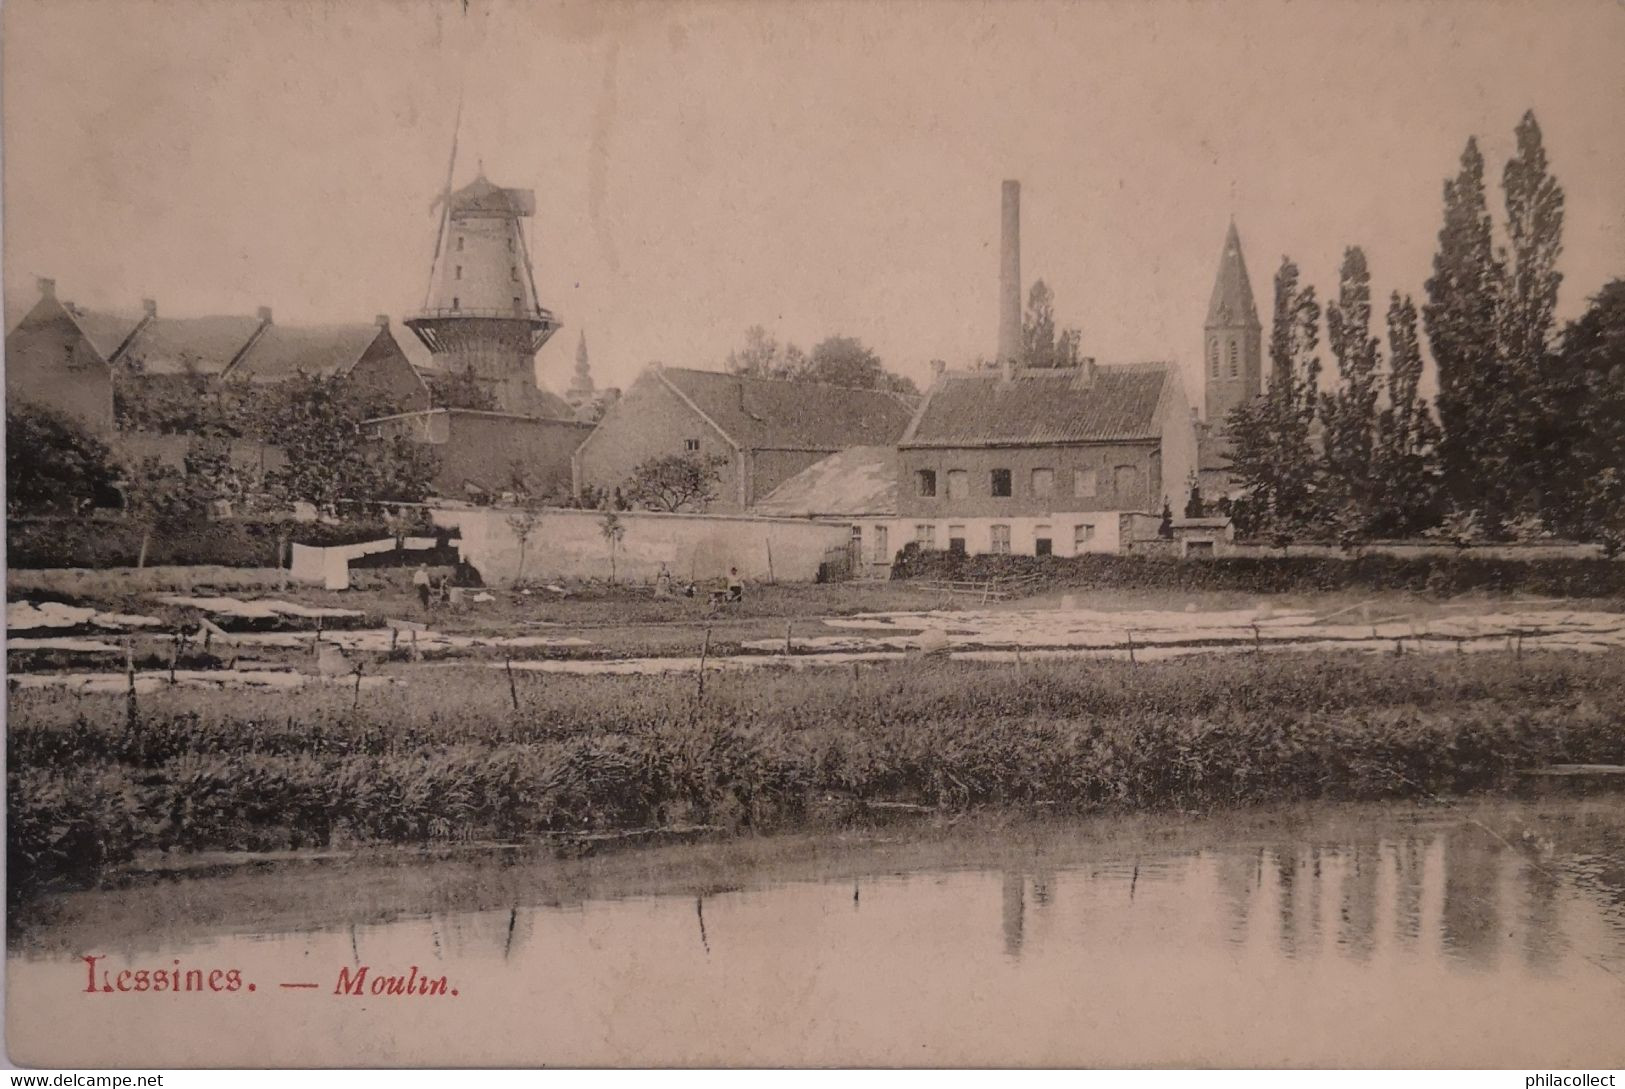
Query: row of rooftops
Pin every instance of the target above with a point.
(1001, 406)
(252, 348)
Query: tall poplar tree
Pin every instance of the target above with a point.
(1476, 455)
(1272, 454)
(1534, 230)
(1405, 500)
(1349, 414)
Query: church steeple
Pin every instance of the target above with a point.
(581, 384)
(1233, 339)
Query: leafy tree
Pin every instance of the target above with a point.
(1041, 345)
(524, 521)
(460, 389)
(1461, 319)
(675, 482)
(846, 361)
(1272, 451)
(836, 361)
(1349, 414)
(1587, 500)
(54, 465)
(331, 457)
(761, 357)
(1405, 499)
(613, 531)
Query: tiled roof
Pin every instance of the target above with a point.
(1039, 406)
(770, 414)
(177, 345)
(284, 351)
(859, 481)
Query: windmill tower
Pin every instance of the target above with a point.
(481, 315)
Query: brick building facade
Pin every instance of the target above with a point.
(1043, 460)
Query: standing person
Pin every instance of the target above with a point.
(736, 585)
(663, 582)
(420, 581)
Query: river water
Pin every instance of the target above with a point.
(1490, 934)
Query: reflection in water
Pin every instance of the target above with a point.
(1304, 948)
(1472, 894)
(1357, 911)
(1015, 912)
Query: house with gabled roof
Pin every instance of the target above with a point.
(762, 431)
(1044, 460)
(59, 357)
(368, 355)
(66, 357)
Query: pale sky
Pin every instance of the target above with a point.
(818, 168)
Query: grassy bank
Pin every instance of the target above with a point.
(448, 757)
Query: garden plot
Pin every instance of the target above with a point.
(1152, 632)
(259, 609)
(55, 616)
(384, 640)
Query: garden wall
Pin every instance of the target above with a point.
(570, 544)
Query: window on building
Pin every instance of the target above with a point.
(855, 545)
(1126, 484)
(459, 275)
(691, 445)
(956, 540)
(1213, 357)
(925, 483)
(1084, 484)
(513, 274)
(958, 484)
(1081, 536)
(1235, 358)
(1000, 482)
(1043, 541)
(925, 535)
(998, 540)
(510, 245)
(882, 544)
(1043, 482)
(456, 303)
(518, 303)
(459, 243)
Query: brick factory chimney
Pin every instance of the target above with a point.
(1010, 273)
(47, 287)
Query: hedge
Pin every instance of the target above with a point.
(101, 542)
(1439, 574)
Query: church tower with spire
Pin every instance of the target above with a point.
(581, 390)
(1232, 341)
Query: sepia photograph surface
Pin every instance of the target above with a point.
(814, 534)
